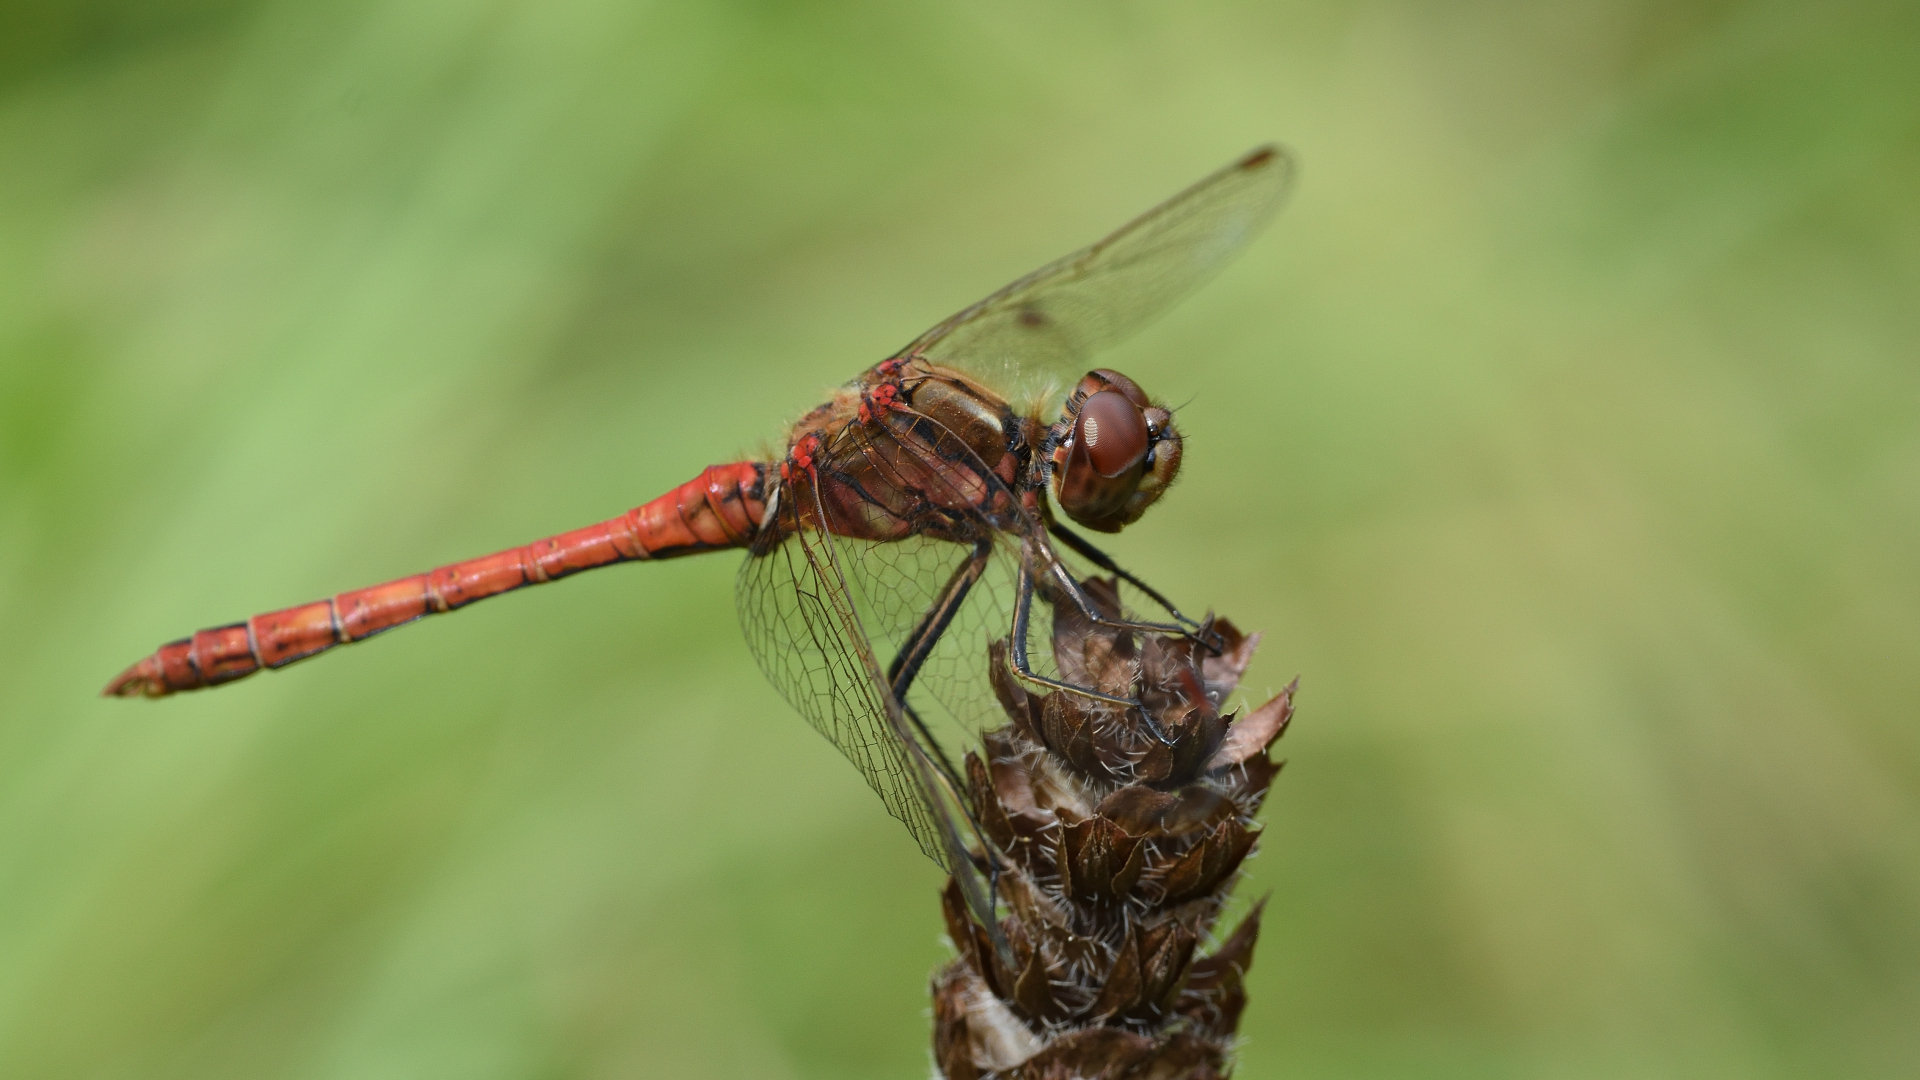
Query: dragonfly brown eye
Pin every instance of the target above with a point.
(1113, 431)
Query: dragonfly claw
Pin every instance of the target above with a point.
(1153, 726)
(1207, 637)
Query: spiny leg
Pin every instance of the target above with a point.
(1039, 547)
(1204, 634)
(1023, 604)
(1070, 585)
(925, 635)
(906, 667)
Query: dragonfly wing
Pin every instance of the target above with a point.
(800, 624)
(1046, 325)
(807, 627)
(950, 501)
(952, 693)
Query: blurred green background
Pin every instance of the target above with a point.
(1563, 434)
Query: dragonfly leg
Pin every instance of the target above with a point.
(906, 666)
(1199, 632)
(1071, 586)
(1023, 606)
(925, 635)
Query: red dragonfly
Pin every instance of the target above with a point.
(908, 518)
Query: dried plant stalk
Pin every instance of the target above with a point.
(1119, 854)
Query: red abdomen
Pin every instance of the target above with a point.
(720, 508)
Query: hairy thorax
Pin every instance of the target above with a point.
(909, 450)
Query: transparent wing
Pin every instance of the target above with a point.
(807, 625)
(1043, 328)
(899, 582)
(801, 627)
(837, 622)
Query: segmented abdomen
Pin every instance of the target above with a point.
(720, 508)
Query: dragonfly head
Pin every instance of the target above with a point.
(1114, 452)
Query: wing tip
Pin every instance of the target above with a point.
(1271, 166)
(1273, 155)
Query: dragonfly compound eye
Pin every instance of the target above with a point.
(1114, 433)
(1099, 467)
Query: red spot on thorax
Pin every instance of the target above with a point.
(800, 456)
(880, 400)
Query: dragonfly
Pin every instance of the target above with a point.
(912, 517)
